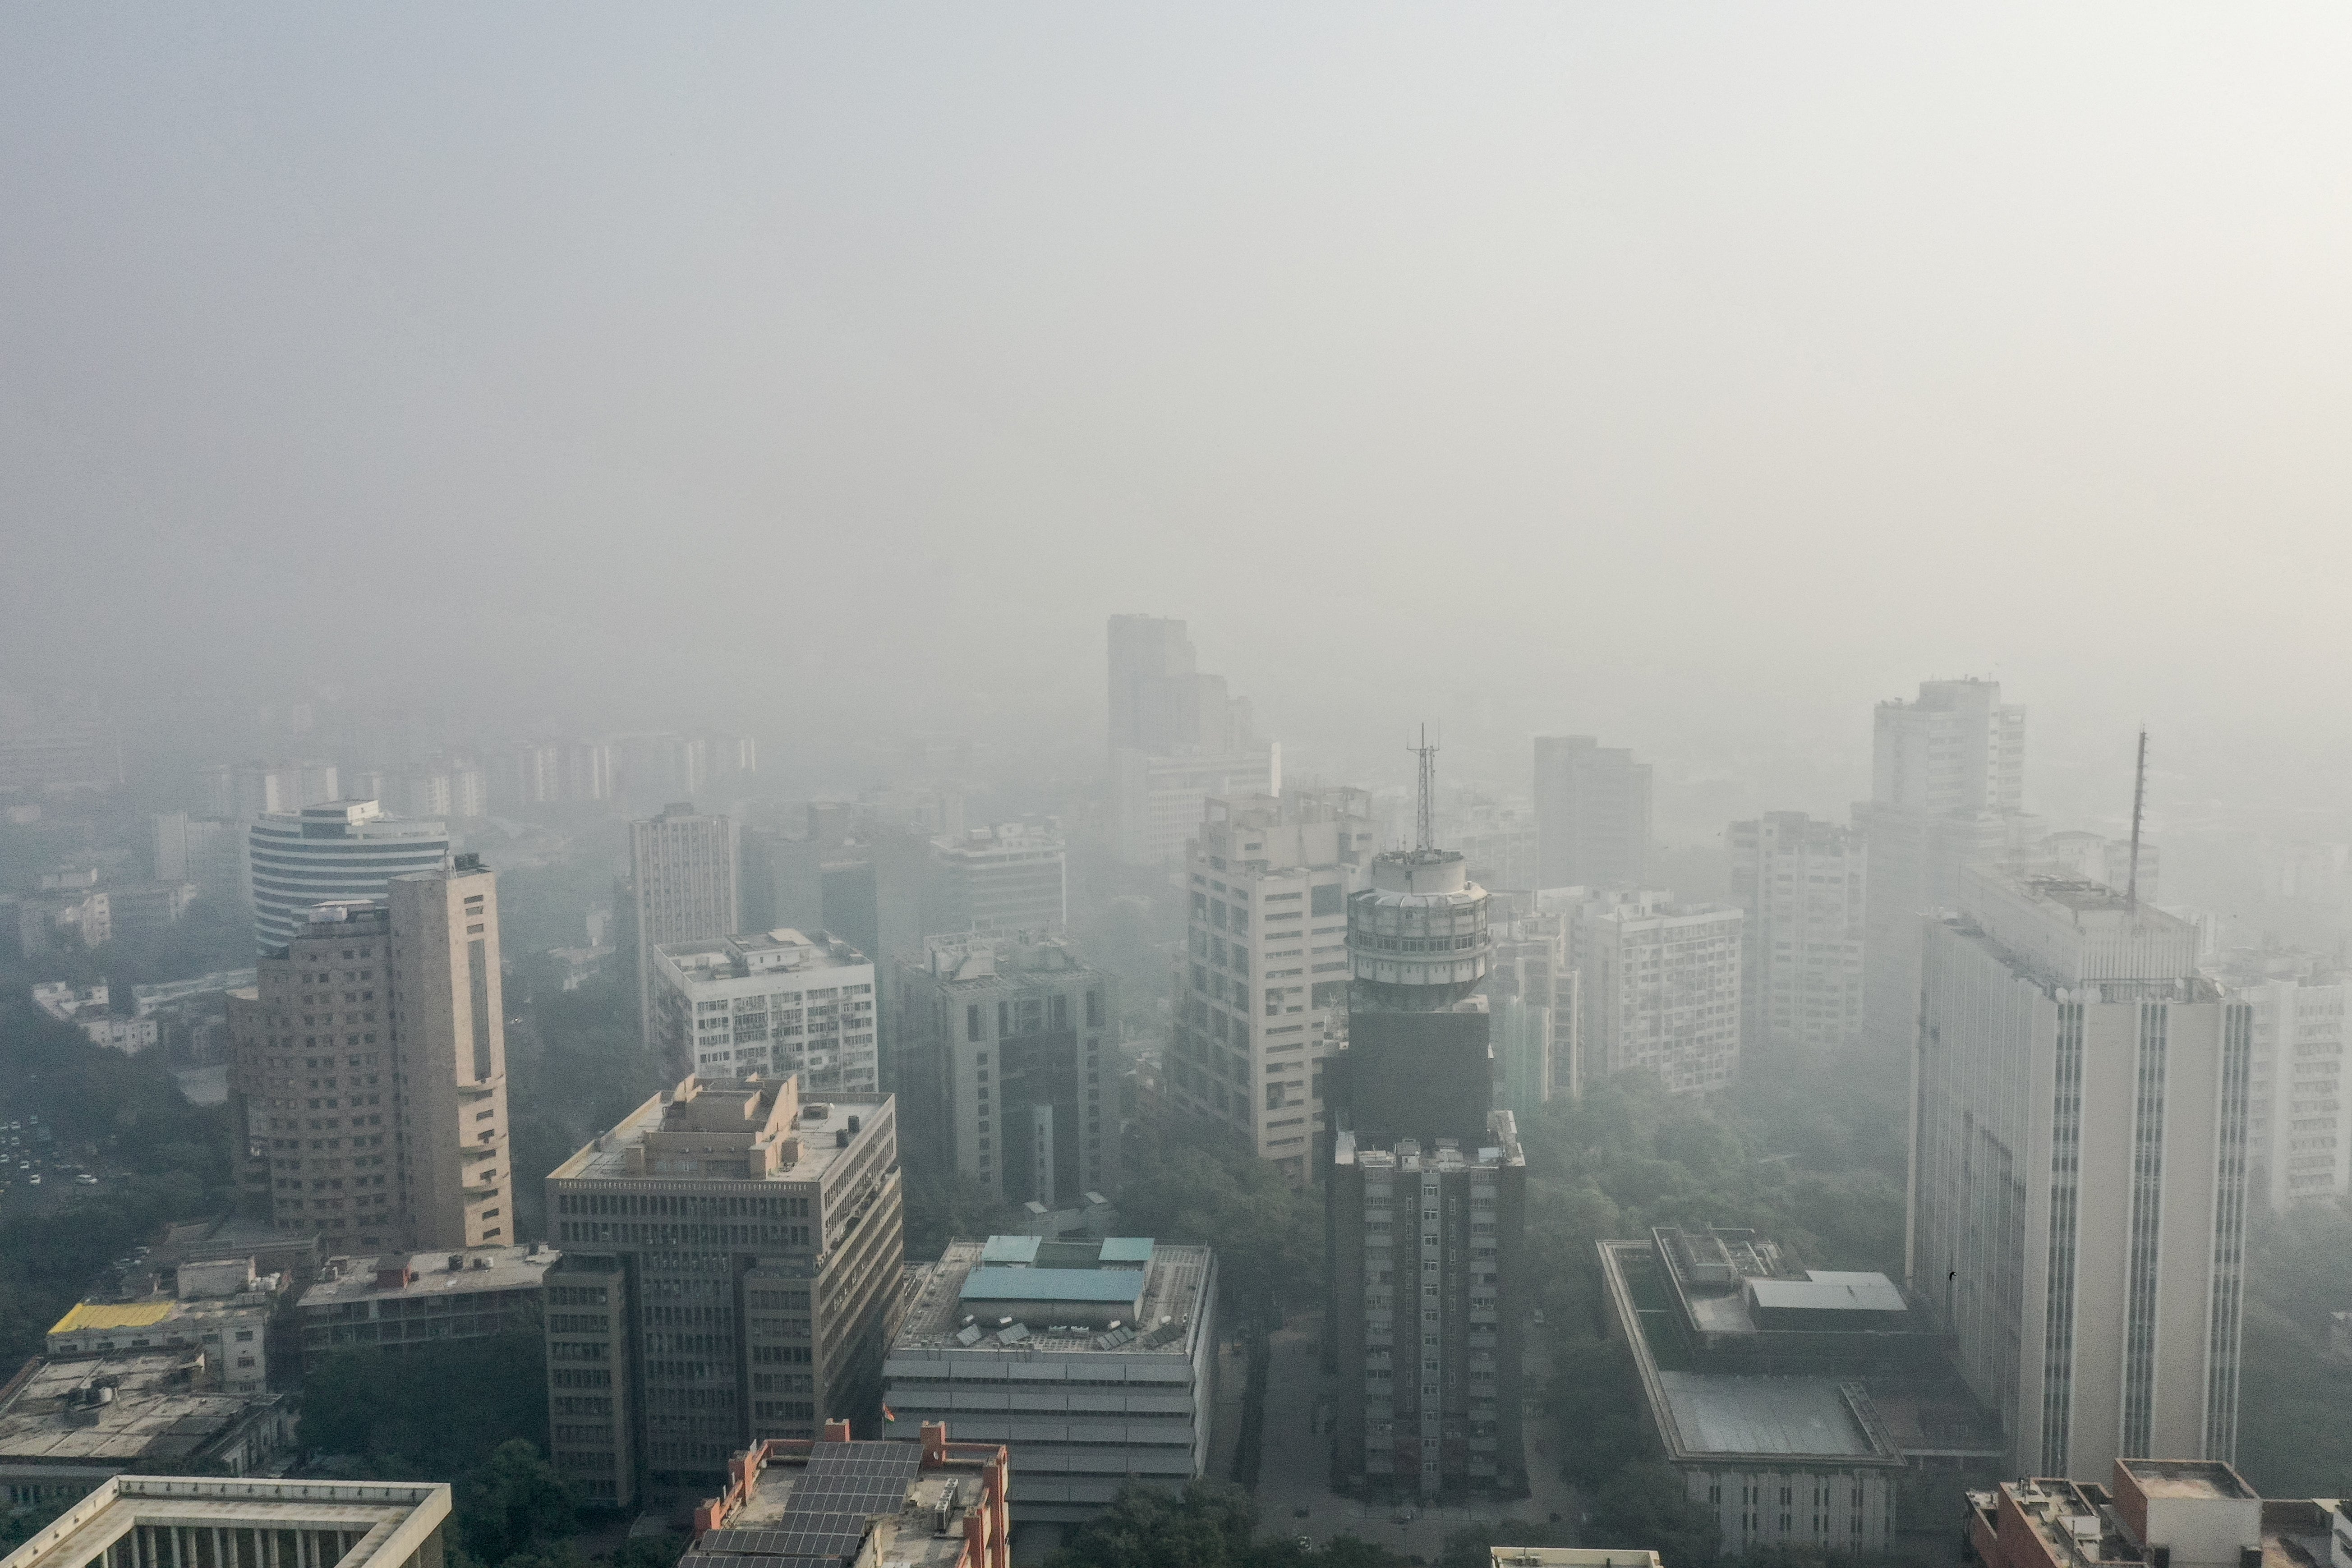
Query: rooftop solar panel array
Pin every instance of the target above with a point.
(843, 1486)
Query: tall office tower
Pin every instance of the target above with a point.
(1177, 738)
(738, 1251)
(1592, 814)
(536, 771)
(449, 1059)
(204, 851)
(1801, 883)
(369, 1070)
(1533, 996)
(771, 1003)
(588, 770)
(336, 852)
(2078, 1172)
(1660, 985)
(2298, 1127)
(1002, 1048)
(1005, 878)
(1262, 985)
(1948, 785)
(1425, 1196)
(682, 868)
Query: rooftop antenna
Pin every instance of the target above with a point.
(1425, 834)
(2139, 800)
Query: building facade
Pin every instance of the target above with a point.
(769, 1004)
(449, 1059)
(1095, 1361)
(1006, 1055)
(1592, 814)
(1660, 985)
(1261, 987)
(682, 877)
(1534, 993)
(1801, 885)
(1177, 738)
(148, 1521)
(398, 1300)
(731, 1258)
(1004, 877)
(925, 1504)
(2298, 1126)
(336, 852)
(2078, 1172)
(207, 852)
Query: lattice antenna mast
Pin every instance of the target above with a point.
(2139, 804)
(1425, 825)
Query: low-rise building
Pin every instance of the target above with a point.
(767, 1004)
(796, 1502)
(398, 1300)
(67, 1424)
(56, 921)
(1095, 1361)
(2158, 1513)
(1572, 1557)
(1803, 1408)
(90, 1010)
(141, 1521)
(221, 1309)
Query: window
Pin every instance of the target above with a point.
(972, 1022)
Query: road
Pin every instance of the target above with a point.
(1296, 1473)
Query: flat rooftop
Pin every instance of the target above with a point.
(393, 1519)
(2186, 1477)
(939, 1299)
(607, 1159)
(1718, 1413)
(819, 1511)
(155, 1416)
(482, 1268)
(760, 954)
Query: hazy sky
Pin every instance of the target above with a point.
(1693, 373)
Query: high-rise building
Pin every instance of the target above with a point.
(449, 1057)
(204, 851)
(271, 789)
(367, 1073)
(2078, 1172)
(2298, 1127)
(1262, 985)
(1425, 1195)
(1947, 783)
(1801, 885)
(1004, 1051)
(682, 871)
(1592, 814)
(1004, 877)
(731, 1256)
(1659, 981)
(339, 851)
(769, 1004)
(1177, 737)
(1533, 992)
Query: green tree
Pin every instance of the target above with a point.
(1189, 1182)
(1643, 1506)
(513, 1504)
(1208, 1524)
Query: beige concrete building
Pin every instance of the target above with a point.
(1262, 985)
(451, 1058)
(372, 1137)
(682, 877)
(67, 1423)
(398, 1300)
(1801, 883)
(220, 1310)
(1659, 983)
(731, 1258)
(769, 1003)
(181, 1521)
(2078, 1172)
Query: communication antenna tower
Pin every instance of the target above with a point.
(2139, 801)
(1425, 833)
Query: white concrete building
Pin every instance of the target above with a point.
(2078, 1172)
(341, 852)
(683, 876)
(1157, 801)
(1659, 983)
(221, 1309)
(1008, 877)
(1262, 985)
(1803, 884)
(1094, 1361)
(771, 1004)
(2298, 1127)
(206, 851)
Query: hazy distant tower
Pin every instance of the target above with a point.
(682, 874)
(1592, 814)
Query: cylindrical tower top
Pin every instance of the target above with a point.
(1417, 938)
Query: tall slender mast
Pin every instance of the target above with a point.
(2139, 801)
(1424, 831)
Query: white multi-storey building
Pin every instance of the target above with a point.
(341, 852)
(2078, 1172)
(683, 872)
(2298, 1128)
(1005, 878)
(1801, 883)
(769, 1004)
(1262, 985)
(1660, 986)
